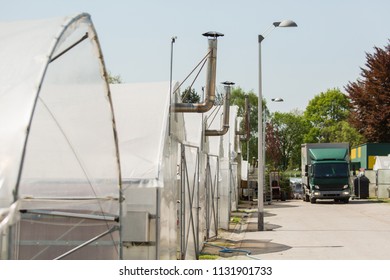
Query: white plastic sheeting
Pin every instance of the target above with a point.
(244, 170)
(195, 157)
(58, 149)
(215, 186)
(232, 151)
(149, 137)
(381, 162)
(224, 147)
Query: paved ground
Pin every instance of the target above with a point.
(297, 230)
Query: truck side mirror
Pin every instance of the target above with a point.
(353, 170)
(306, 169)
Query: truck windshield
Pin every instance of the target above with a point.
(331, 170)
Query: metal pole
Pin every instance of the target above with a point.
(197, 202)
(112, 229)
(182, 203)
(260, 190)
(173, 40)
(260, 175)
(158, 226)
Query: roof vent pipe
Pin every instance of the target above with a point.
(210, 80)
(246, 130)
(226, 112)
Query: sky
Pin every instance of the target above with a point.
(325, 51)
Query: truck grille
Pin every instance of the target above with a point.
(331, 187)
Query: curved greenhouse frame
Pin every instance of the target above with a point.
(59, 164)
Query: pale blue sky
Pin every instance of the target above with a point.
(325, 51)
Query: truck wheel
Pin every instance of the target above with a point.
(312, 200)
(346, 200)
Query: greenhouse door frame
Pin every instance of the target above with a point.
(189, 214)
(212, 197)
(232, 188)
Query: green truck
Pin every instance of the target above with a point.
(325, 171)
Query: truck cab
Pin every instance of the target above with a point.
(326, 173)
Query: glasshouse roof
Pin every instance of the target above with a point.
(142, 116)
(57, 138)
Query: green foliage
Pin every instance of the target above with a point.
(189, 95)
(238, 98)
(208, 257)
(290, 129)
(235, 220)
(343, 132)
(327, 115)
(114, 79)
(327, 108)
(219, 98)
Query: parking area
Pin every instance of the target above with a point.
(297, 230)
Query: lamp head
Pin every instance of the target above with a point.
(285, 23)
(227, 83)
(213, 34)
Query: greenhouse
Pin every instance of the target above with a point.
(149, 141)
(60, 187)
(194, 226)
(92, 171)
(209, 142)
(225, 147)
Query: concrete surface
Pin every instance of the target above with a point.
(297, 230)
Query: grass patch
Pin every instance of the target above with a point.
(384, 200)
(208, 257)
(236, 220)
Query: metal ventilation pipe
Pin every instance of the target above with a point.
(246, 130)
(210, 80)
(226, 113)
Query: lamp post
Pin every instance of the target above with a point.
(260, 176)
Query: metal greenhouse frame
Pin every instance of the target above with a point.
(60, 188)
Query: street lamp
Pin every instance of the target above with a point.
(260, 176)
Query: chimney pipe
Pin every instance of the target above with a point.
(226, 112)
(210, 80)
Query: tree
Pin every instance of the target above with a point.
(344, 132)
(288, 130)
(114, 79)
(238, 98)
(219, 98)
(273, 155)
(324, 114)
(370, 97)
(189, 95)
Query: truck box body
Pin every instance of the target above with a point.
(325, 171)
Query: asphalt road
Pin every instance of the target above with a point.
(297, 230)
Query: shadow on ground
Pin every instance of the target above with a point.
(252, 205)
(279, 204)
(230, 248)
